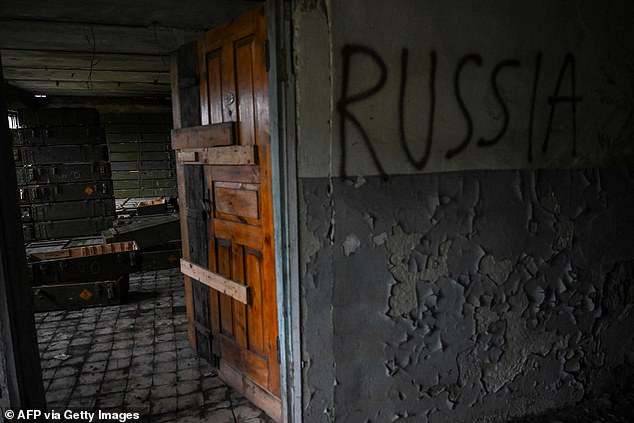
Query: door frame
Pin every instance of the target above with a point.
(20, 370)
(285, 203)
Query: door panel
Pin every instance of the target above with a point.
(235, 204)
(239, 309)
(224, 268)
(247, 235)
(244, 57)
(214, 75)
(237, 201)
(254, 281)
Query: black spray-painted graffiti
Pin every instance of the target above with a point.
(470, 60)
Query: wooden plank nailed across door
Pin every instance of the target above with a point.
(220, 156)
(216, 281)
(187, 156)
(221, 134)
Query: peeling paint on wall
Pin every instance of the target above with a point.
(467, 295)
(310, 242)
(482, 294)
(498, 271)
(317, 281)
(351, 244)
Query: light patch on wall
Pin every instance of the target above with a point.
(408, 278)
(351, 244)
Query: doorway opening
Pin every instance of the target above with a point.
(135, 354)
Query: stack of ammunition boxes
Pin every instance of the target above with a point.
(141, 154)
(64, 178)
(93, 275)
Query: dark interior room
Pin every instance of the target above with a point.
(316, 211)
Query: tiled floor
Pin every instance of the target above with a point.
(135, 358)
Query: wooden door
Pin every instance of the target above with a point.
(225, 165)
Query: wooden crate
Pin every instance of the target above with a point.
(166, 256)
(58, 136)
(53, 193)
(145, 208)
(80, 295)
(83, 264)
(147, 231)
(35, 174)
(58, 229)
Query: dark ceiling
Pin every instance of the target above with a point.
(116, 48)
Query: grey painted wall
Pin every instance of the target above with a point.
(412, 86)
(480, 268)
(451, 297)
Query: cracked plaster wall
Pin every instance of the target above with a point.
(472, 295)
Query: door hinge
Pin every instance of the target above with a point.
(279, 354)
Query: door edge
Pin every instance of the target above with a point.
(285, 204)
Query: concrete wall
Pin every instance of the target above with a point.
(465, 206)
